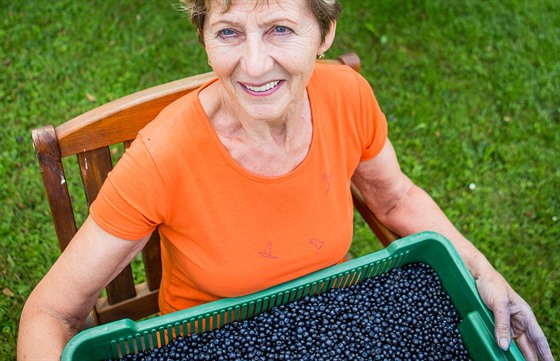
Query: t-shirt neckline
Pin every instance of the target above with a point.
(238, 167)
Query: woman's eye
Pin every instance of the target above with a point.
(226, 33)
(281, 29)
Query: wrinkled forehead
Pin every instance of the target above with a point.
(261, 8)
(225, 5)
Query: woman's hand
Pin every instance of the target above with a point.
(513, 317)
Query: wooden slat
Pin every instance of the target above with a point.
(151, 255)
(94, 167)
(121, 288)
(384, 234)
(144, 305)
(54, 179)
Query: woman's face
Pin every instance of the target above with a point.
(263, 55)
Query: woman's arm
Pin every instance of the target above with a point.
(59, 305)
(406, 209)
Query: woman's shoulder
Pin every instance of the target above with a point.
(179, 126)
(337, 80)
(332, 71)
(171, 116)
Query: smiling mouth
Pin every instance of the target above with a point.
(262, 88)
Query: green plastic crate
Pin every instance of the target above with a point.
(115, 339)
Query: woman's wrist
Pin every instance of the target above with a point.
(477, 263)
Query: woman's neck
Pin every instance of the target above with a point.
(267, 146)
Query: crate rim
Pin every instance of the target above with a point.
(397, 249)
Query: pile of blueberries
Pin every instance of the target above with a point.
(402, 314)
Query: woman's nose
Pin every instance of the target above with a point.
(256, 59)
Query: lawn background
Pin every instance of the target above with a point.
(470, 88)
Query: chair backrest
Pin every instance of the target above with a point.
(89, 137)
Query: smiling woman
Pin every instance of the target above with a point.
(248, 181)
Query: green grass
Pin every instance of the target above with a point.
(470, 88)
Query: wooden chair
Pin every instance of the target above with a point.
(89, 137)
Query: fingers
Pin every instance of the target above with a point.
(513, 317)
(502, 327)
(497, 299)
(495, 295)
(526, 348)
(543, 349)
(525, 328)
(538, 340)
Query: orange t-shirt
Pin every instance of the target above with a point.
(225, 231)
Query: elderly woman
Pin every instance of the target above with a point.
(275, 141)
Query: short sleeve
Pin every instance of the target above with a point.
(131, 202)
(374, 124)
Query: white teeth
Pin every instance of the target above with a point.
(263, 88)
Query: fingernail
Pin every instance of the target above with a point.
(504, 344)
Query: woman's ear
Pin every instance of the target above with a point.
(329, 38)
